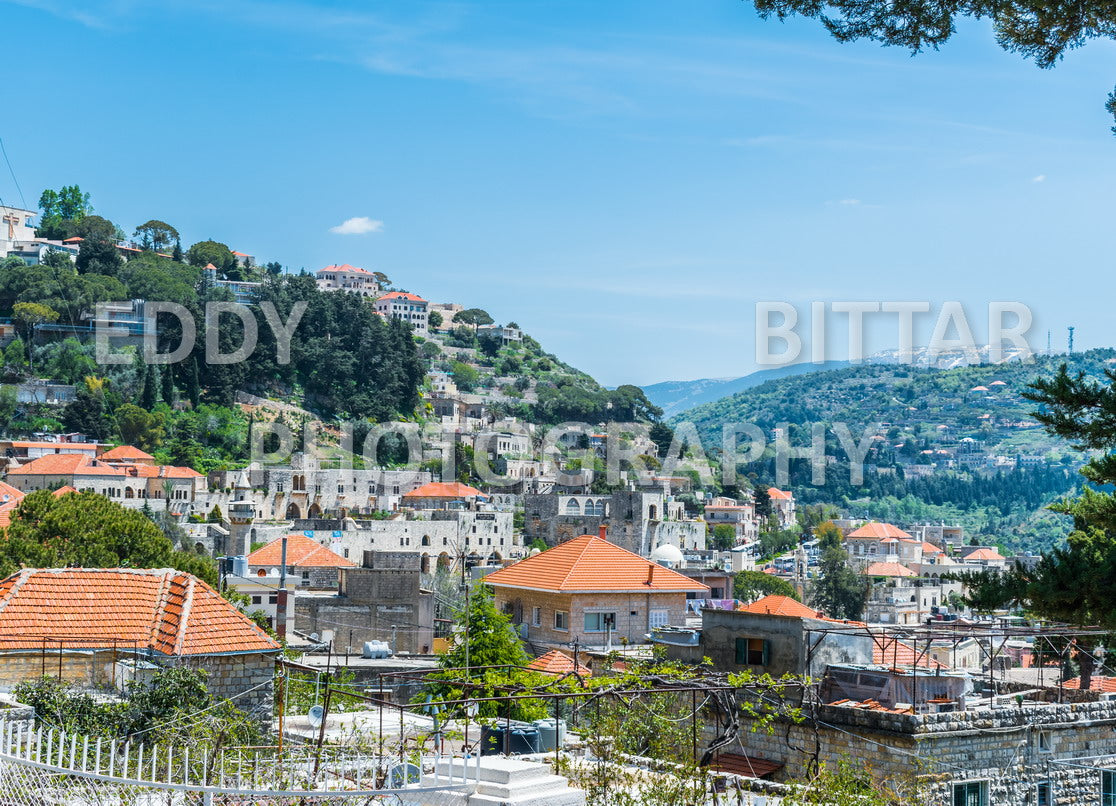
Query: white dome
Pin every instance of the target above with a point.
(668, 555)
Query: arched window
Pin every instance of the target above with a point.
(572, 507)
(129, 492)
(426, 540)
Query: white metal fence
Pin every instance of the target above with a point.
(40, 766)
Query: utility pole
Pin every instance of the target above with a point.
(465, 585)
(281, 599)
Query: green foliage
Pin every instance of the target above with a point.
(777, 541)
(724, 536)
(751, 585)
(434, 320)
(849, 784)
(138, 427)
(839, 591)
(88, 530)
(90, 411)
(215, 252)
(473, 316)
(465, 376)
(156, 236)
(165, 710)
(61, 210)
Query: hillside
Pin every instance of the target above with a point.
(956, 444)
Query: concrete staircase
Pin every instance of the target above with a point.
(511, 782)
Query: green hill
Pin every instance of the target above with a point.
(949, 438)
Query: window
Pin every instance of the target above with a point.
(536, 616)
(1042, 794)
(972, 793)
(273, 599)
(257, 599)
(599, 622)
(658, 618)
(1108, 788)
(752, 651)
(562, 622)
(1045, 742)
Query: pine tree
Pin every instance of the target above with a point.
(150, 395)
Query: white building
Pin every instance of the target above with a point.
(410, 308)
(15, 227)
(348, 278)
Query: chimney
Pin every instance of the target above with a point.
(650, 573)
(602, 532)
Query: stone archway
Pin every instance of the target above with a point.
(293, 512)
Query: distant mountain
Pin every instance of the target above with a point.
(674, 397)
(677, 396)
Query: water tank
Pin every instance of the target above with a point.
(552, 734)
(240, 566)
(519, 739)
(376, 649)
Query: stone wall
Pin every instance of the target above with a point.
(1012, 748)
(230, 676)
(632, 614)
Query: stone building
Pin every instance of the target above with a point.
(638, 521)
(590, 591)
(83, 624)
(381, 600)
(312, 565)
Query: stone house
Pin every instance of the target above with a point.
(590, 591)
(381, 600)
(82, 624)
(410, 308)
(782, 507)
(348, 278)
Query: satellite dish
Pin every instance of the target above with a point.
(315, 716)
(313, 636)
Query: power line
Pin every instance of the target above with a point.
(4, 151)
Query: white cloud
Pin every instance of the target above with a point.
(849, 202)
(1039, 178)
(360, 225)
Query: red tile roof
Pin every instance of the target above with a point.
(126, 452)
(888, 570)
(558, 663)
(163, 610)
(444, 489)
(878, 530)
(402, 295)
(80, 464)
(1106, 684)
(65, 489)
(73, 446)
(778, 495)
(345, 267)
(302, 552)
(775, 605)
(589, 564)
(983, 554)
(888, 651)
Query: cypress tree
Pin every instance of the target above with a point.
(193, 388)
(169, 394)
(150, 395)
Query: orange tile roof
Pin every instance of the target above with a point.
(878, 530)
(302, 551)
(402, 295)
(776, 605)
(74, 446)
(79, 464)
(983, 554)
(345, 267)
(444, 489)
(930, 548)
(557, 663)
(888, 570)
(65, 489)
(9, 494)
(590, 563)
(892, 652)
(778, 495)
(126, 452)
(1105, 684)
(163, 610)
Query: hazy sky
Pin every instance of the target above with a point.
(624, 179)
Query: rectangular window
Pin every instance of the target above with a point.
(257, 599)
(536, 616)
(562, 622)
(599, 622)
(1108, 788)
(1043, 794)
(752, 651)
(273, 599)
(658, 618)
(972, 793)
(1045, 742)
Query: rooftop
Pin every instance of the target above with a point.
(302, 551)
(878, 530)
(556, 662)
(589, 564)
(163, 610)
(445, 489)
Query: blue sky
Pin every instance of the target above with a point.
(624, 179)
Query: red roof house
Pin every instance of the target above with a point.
(590, 590)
